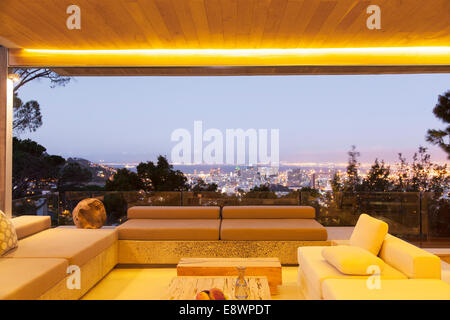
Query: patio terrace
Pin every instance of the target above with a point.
(196, 38)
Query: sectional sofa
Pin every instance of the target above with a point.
(39, 267)
(42, 264)
(405, 271)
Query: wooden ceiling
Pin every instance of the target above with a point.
(219, 24)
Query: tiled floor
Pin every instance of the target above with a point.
(151, 284)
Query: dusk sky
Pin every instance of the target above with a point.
(319, 117)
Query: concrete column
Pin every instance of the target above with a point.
(6, 118)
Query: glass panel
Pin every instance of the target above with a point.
(116, 203)
(436, 219)
(245, 199)
(40, 205)
(400, 209)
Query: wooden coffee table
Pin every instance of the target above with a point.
(268, 267)
(186, 288)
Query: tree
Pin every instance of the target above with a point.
(261, 192)
(162, 176)
(31, 164)
(377, 179)
(422, 175)
(336, 183)
(124, 180)
(402, 174)
(27, 116)
(312, 192)
(353, 181)
(116, 207)
(73, 175)
(440, 136)
(202, 186)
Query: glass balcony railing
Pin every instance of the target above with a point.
(423, 218)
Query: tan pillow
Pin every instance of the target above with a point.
(352, 260)
(8, 236)
(369, 233)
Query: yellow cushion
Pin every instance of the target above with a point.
(352, 260)
(8, 236)
(413, 289)
(414, 262)
(316, 269)
(369, 233)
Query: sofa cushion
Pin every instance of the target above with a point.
(268, 212)
(28, 225)
(8, 236)
(272, 229)
(169, 212)
(369, 233)
(412, 289)
(316, 269)
(25, 279)
(352, 260)
(76, 245)
(409, 259)
(169, 229)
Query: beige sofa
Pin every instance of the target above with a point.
(38, 267)
(164, 235)
(409, 273)
(236, 223)
(271, 223)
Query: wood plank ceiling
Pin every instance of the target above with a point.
(222, 24)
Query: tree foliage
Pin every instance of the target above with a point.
(31, 163)
(377, 179)
(27, 116)
(202, 186)
(150, 177)
(353, 180)
(260, 192)
(124, 180)
(421, 176)
(441, 137)
(161, 176)
(71, 175)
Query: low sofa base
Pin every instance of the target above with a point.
(170, 252)
(91, 273)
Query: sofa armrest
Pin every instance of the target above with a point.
(27, 225)
(412, 261)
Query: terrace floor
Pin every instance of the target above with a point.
(151, 284)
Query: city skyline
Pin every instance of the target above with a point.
(134, 124)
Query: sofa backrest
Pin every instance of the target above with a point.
(28, 225)
(268, 212)
(169, 212)
(412, 261)
(369, 233)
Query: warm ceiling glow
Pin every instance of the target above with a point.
(254, 52)
(375, 56)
